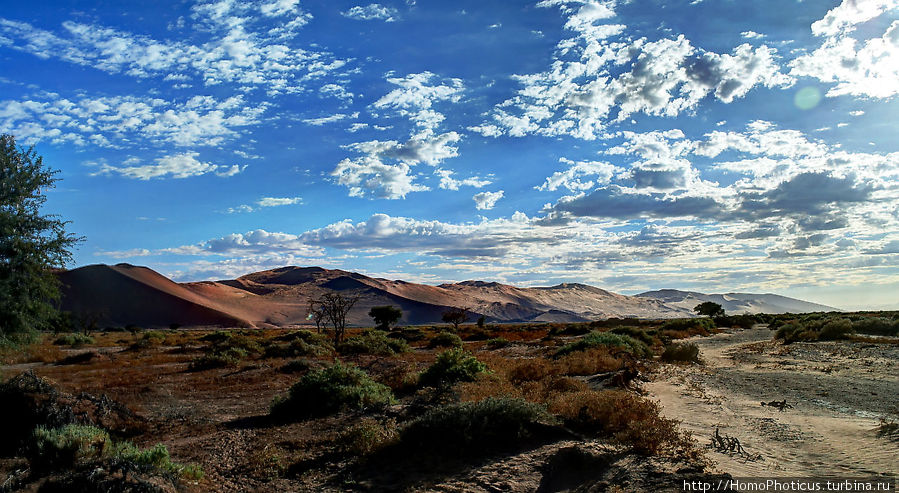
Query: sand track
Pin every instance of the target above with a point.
(838, 391)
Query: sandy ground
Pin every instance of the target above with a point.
(838, 390)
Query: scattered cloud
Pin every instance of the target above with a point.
(486, 200)
(184, 165)
(372, 11)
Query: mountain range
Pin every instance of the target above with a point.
(124, 294)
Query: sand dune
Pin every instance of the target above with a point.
(124, 294)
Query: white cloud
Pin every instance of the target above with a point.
(317, 122)
(119, 121)
(266, 202)
(846, 16)
(864, 69)
(242, 47)
(572, 178)
(586, 89)
(447, 182)
(486, 200)
(372, 11)
(182, 165)
(369, 177)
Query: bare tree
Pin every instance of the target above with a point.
(455, 316)
(316, 314)
(333, 309)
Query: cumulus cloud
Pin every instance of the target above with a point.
(372, 11)
(120, 120)
(182, 165)
(266, 202)
(243, 47)
(573, 177)
(601, 75)
(384, 168)
(447, 182)
(486, 200)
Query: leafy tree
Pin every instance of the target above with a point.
(333, 308)
(31, 244)
(385, 316)
(455, 316)
(709, 309)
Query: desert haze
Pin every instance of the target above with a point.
(125, 294)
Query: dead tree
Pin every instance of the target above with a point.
(333, 309)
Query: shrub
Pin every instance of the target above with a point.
(409, 334)
(74, 339)
(296, 366)
(688, 326)
(795, 331)
(154, 460)
(368, 435)
(881, 326)
(445, 339)
(634, 332)
(451, 366)
(681, 352)
(374, 342)
(331, 389)
(474, 428)
(836, 329)
(498, 343)
(299, 347)
(589, 362)
(218, 359)
(596, 339)
(628, 418)
(60, 448)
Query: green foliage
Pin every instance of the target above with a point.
(218, 358)
(218, 337)
(373, 342)
(298, 343)
(75, 340)
(385, 316)
(296, 366)
(635, 332)
(597, 339)
(836, 329)
(445, 339)
(744, 321)
(881, 326)
(693, 325)
(791, 332)
(60, 448)
(368, 435)
(498, 343)
(474, 428)
(681, 353)
(332, 389)
(709, 309)
(31, 245)
(451, 366)
(155, 460)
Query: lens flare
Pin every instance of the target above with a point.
(807, 98)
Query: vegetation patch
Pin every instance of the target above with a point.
(445, 339)
(498, 343)
(451, 366)
(329, 390)
(374, 342)
(687, 352)
(628, 418)
(61, 448)
(597, 339)
(474, 428)
(368, 435)
(74, 339)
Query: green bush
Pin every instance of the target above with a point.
(635, 332)
(880, 326)
(154, 460)
(451, 366)
(299, 347)
(61, 448)
(445, 339)
(368, 435)
(218, 358)
(681, 353)
(698, 325)
(408, 334)
(498, 343)
(597, 339)
(74, 339)
(331, 389)
(836, 329)
(374, 342)
(296, 366)
(795, 331)
(474, 428)
(218, 336)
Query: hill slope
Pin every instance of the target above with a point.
(737, 303)
(124, 294)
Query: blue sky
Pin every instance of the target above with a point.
(711, 145)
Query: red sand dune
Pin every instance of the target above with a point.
(124, 294)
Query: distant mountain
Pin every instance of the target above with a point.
(737, 303)
(124, 294)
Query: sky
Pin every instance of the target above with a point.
(708, 145)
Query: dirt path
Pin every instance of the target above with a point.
(838, 391)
